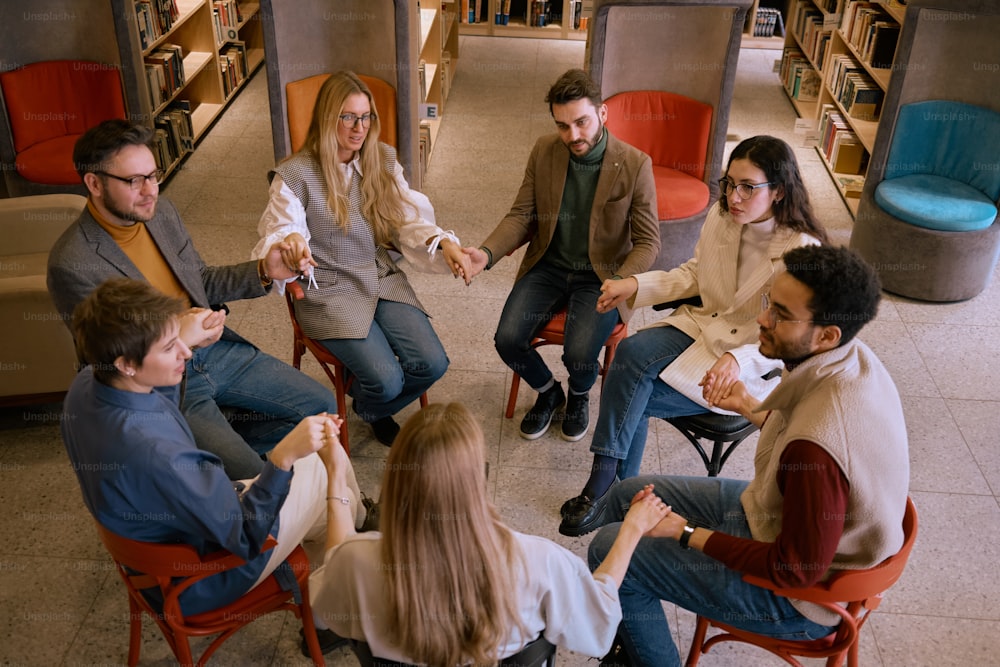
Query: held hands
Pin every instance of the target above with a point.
(646, 511)
(290, 258)
(669, 524)
(477, 261)
(613, 292)
(200, 327)
(312, 434)
(333, 454)
(458, 261)
(719, 381)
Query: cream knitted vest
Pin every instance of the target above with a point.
(844, 401)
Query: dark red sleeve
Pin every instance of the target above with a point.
(815, 495)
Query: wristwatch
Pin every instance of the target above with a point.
(686, 536)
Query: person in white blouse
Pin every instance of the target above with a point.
(446, 582)
(684, 364)
(341, 203)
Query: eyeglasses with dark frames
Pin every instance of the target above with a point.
(136, 182)
(744, 190)
(350, 120)
(771, 317)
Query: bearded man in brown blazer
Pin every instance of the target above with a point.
(587, 207)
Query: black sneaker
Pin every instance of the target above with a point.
(536, 421)
(386, 430)
(328, 641)
(576, 421)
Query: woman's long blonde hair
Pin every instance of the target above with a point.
(451, 565)
(383, 204)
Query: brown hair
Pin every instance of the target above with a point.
(122, 317)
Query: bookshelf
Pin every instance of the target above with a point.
(543, 19)
(762, 29)
(438, 49)
(182, 62)
(836, 65)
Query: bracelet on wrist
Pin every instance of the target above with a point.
(489, 257)
(265, 280)
(342, 499)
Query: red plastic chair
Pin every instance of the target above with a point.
(861, 590)
(554, 333)
(331, 365)
(174, 568)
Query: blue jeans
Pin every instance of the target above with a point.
(267, 396)
(661, 570)
(634, 392)
(398, 361)
(532, 302)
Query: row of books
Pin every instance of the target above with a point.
(425, 144)
(807, 24)
(502, 16)
(768, 22)
(154, 18)
(173, 134)
(800, 78)
(227, 17)
(164, 73)
(859, 95)
(871, 32)
(234, 66)
(841, 147)
(470, 10)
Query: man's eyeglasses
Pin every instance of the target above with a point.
(350, 120)
(744, 190)
(136, 182)
(771, 317)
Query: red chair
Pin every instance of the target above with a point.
(173, 568)
(554, 333)
(49, 105)
(331, 365)
(860, 590)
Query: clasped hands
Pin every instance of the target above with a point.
(318, 433)
(653, 517)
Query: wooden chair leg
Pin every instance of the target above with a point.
(700, 630)
(515, 385)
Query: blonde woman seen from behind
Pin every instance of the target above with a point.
(446, 582)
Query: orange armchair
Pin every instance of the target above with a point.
(673, 130)
(860, 590)
(48, 105)
(173, 568)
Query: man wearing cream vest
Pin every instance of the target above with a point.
(831, 475)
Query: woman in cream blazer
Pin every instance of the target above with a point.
(682, 364)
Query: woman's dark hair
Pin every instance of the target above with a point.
(101, 143)
(122, 317)
(777, 160)
(574, 85)
(845, 288)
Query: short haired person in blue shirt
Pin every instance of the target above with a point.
(140, 471)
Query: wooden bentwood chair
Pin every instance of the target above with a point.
(334, 368)
(860, 590)
(173, 568)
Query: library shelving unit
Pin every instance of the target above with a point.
(435, 71)
(772, 38)
(193, 32)
(836, 65)
(544, 19)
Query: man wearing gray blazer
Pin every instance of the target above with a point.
(127, 231)
(587, 208)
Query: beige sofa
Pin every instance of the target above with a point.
(37, 358)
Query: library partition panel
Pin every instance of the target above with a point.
(935, 156)
(688, 48)
(377, 38)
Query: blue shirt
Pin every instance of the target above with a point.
(142, 477)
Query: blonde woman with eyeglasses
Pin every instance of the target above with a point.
(684, 364)
(339, 205)
(446, 582)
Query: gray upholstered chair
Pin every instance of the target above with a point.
(686, 48)
(927, 219)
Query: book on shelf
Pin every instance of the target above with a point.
(154, 18)
(164, 72)
(809, 85)
(851, 184)
(882, 47)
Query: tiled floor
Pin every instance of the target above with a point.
(63, 604)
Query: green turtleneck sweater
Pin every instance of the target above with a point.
(571, 241)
